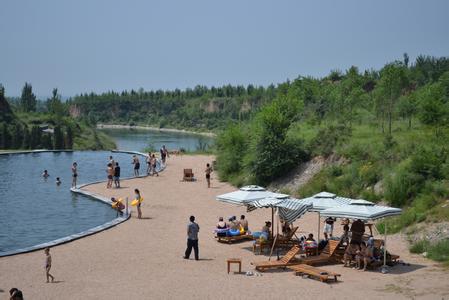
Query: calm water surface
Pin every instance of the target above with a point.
(139, 139)
(35, 210)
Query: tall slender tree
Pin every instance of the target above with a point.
(28, 99)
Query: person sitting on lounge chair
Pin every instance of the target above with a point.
(365, 255)
(286, 227)
(234, 227)
(350, 253)
(265, 233)
(222, 227)
(244, 223)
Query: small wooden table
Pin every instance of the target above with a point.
(234, 261)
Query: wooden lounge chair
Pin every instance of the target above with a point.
(262, 244)
(287, 260)
(188, 175)
(234, 239)
(327, 255)
(315, 272)
(286, 240)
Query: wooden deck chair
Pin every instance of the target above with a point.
(287, 260)
(326, 255)
(188, 175)
(234, 239)
(286, 240)
(315, 272)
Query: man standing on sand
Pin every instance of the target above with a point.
(208, 171)
(192, 238)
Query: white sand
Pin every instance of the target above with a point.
(142, 259)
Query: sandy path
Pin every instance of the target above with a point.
(142, 259)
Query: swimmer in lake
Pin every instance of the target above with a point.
(45, 174)
(58, 181)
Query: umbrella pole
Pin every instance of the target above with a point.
(272, 222)
(275, 239)
(319, 224)
(384, 267)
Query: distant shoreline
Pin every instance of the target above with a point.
(117, 126)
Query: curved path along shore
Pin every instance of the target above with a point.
(142, 259)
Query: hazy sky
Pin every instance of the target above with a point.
(91, 45)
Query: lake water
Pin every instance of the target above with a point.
(140, 139)
(35, 210)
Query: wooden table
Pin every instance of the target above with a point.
(234, 261)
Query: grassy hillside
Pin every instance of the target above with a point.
(389, 127)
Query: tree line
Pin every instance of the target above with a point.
(16, 134)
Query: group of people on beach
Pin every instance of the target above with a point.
(151, 162)
(113, 171)
(233, 227)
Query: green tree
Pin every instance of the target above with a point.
(46, 141)
(69, 138)
(58, 138)
(54, 104)
(393, 80)
(434, 108)
(408, 107)
(272, 152)
(4, 137)
(28, 99)
(17, 137)
(26, 138)
(35, 137)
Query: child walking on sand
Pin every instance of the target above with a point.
(48, 265)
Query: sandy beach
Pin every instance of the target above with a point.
(142, 259)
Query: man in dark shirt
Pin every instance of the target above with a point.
(357, 230)
(192, 238)
(117, 175)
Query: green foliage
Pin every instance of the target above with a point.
(28, 99)
(58, 138)
(69, 138)
(419, 247)
(272, 153)
(327, 138)
(439, 251)
(231, 145)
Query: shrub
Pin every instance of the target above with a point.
(231, 145)
(439, 251)
(327, 138)
(419, 247)
(401, 186)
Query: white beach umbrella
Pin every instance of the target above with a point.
(364, 210)
(361, 209)
(325, 200)
(248, 194)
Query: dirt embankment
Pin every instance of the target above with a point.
(302, 174)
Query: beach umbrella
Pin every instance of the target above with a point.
(292, 209)
(364, 210)
(325, 200)
(248, 194)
